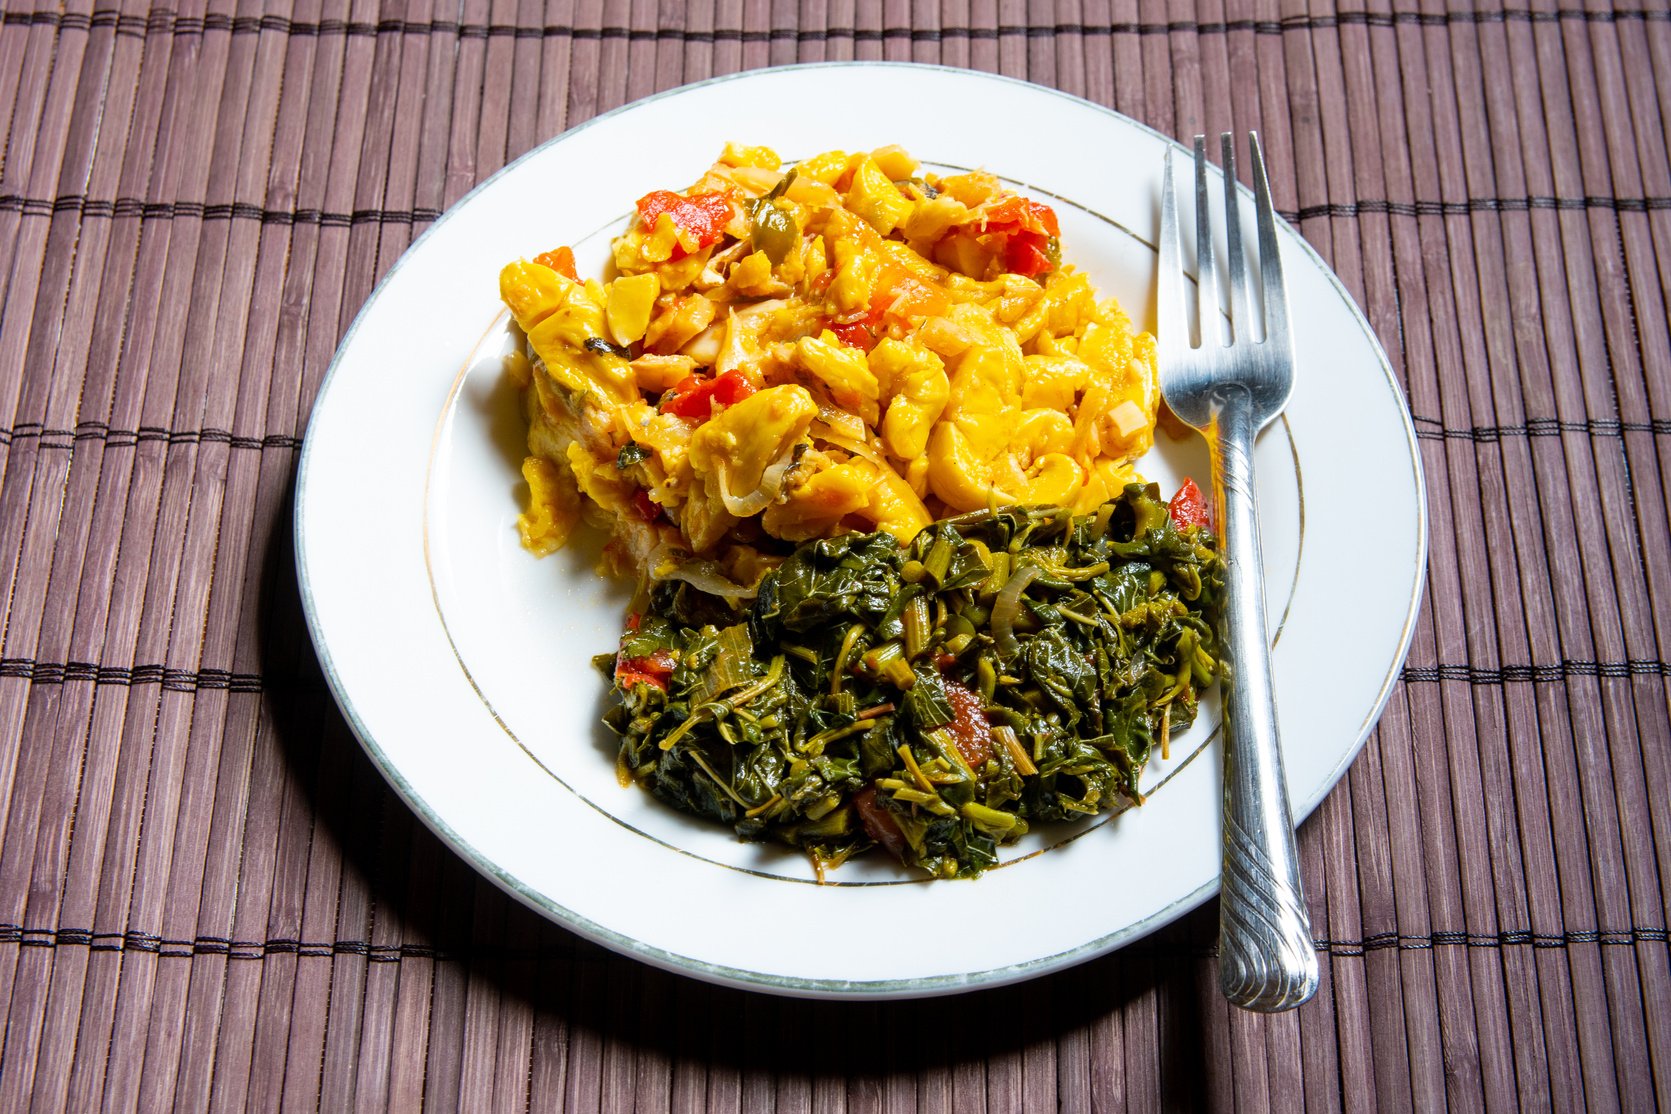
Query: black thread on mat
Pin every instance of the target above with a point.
(189, 680)
(175, 680)
(133, 207)
(1428, 429)
(1482, 205)
(1382, 941)
(150, 943)
(1431, 429)
(1533, 674)
(167, 22)
(130, 208)
(52, 438)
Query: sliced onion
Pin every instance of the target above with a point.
(842, 422)
(1007, 607)
(749, 312)
(713, 273)
(776, 476)
(732, 352)
(705, 347)
(772, 482)
(669, 563)
(857, 448)
(742, 506)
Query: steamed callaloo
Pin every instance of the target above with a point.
(1007, 666)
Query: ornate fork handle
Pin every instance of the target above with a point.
(1267, 961)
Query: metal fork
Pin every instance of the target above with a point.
(1229, 392)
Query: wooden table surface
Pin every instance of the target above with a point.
(209, 898)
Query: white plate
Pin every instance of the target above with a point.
(462, 663)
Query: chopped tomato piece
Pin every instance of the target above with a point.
(854, 334)
(969, 728)
(1025, 214)
(1024, 229)
(694, 395)
(701, 217)
(1028, 253)
(634, 620)
(731, 388)
(857, 334)
(1188, 507)
(655, 670)
(561, 261)
(879, 823)
(899, 295)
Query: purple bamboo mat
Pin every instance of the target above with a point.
(208, 898)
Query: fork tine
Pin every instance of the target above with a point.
(1206, 276)
(1170, 292)
(1270, 258)
(1240, 319)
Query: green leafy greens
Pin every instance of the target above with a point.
(1009, 666)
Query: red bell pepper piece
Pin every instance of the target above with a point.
(561, 261)
(1188, 507)
(903, 295)
(648, 509)
(701, 216)
(694, 395)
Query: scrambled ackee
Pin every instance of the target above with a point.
(783, 354)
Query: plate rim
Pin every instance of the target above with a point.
(792, 985)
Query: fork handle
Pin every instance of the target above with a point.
(1267, 961)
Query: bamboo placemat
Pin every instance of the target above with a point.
(209, 898)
